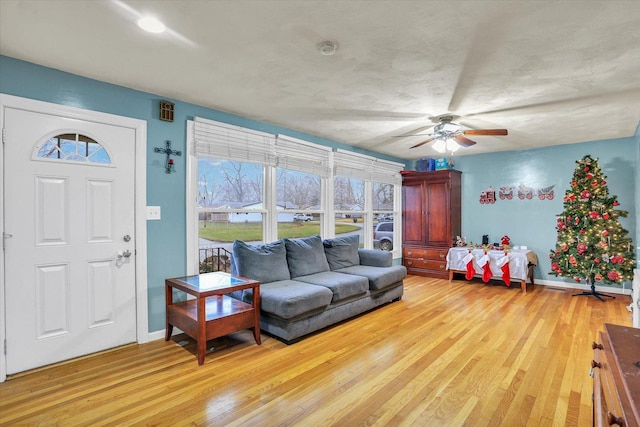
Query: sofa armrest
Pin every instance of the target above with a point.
(375, 258)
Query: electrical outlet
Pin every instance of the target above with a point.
(153, 213)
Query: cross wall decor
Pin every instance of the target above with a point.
(169, 166)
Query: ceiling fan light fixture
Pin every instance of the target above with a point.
(440, 146)
(452, 145)
(450, 127)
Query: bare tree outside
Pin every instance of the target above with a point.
(298, 190)
(348, 192)
(382, 196)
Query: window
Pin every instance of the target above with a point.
(297, 192)
(259, 187)
(73, 147)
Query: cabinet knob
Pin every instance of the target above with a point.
(409, 253)
(614, 420)
(595, 345)
(409, 262)
(442, 255)
(442, 266)
(595, 364)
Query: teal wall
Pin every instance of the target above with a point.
(166, 239)
(529, 222)
(532, 222)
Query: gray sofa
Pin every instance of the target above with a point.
(308, 284)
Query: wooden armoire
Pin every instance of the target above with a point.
(431, 204)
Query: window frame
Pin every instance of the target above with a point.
(378, 170)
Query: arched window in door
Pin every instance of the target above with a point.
(73, 147)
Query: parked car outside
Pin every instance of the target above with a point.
(302, 217)
(383, 232)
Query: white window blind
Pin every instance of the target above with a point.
(302, 156)
(387, 172)
(223, 141)
(354, 165)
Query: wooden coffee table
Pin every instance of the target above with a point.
(211, 314)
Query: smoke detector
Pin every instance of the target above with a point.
(327, 48)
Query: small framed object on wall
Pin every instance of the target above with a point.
(166, 111)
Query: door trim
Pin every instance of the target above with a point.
(140, 129)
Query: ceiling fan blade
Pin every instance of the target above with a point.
(423, 142)
(465, 142)
(486, 132)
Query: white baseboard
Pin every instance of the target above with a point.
(583, 287)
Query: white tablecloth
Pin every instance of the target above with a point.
(519, 260)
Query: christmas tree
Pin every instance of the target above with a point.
(592, 245)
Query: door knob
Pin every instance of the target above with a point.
(123, 254)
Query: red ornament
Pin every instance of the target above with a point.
(585, 194)
(605, 215)
(586, 168)
(594, 215)
(613, 275)
(596, 260)
(605, 233)
(574, 183)
(582, 248)
(573, 260)
(594, 183)
(589, 175)
(603, 182)
(598, 277)
(577, 279)
(615, 203)
(555, 266)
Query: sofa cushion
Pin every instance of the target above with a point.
(341, 285)
(306, 256)
(379, 277)
(264, 263)
(342, 251)
(290, 298)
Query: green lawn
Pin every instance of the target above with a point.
(252, 231)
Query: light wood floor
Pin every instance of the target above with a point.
(447, 354)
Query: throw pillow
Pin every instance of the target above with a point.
(264, 263)
(306, 256)
(342, 251)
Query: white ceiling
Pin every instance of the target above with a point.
(551, 72)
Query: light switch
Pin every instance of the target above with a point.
(153, 213)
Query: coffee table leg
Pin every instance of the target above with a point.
(256, 308)
(202, 330)
(169, 300)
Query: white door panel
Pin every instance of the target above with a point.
(67, 291)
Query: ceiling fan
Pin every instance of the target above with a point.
(449, 136)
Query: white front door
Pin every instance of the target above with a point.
(69, 237)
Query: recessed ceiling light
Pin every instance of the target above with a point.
(151, 24)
